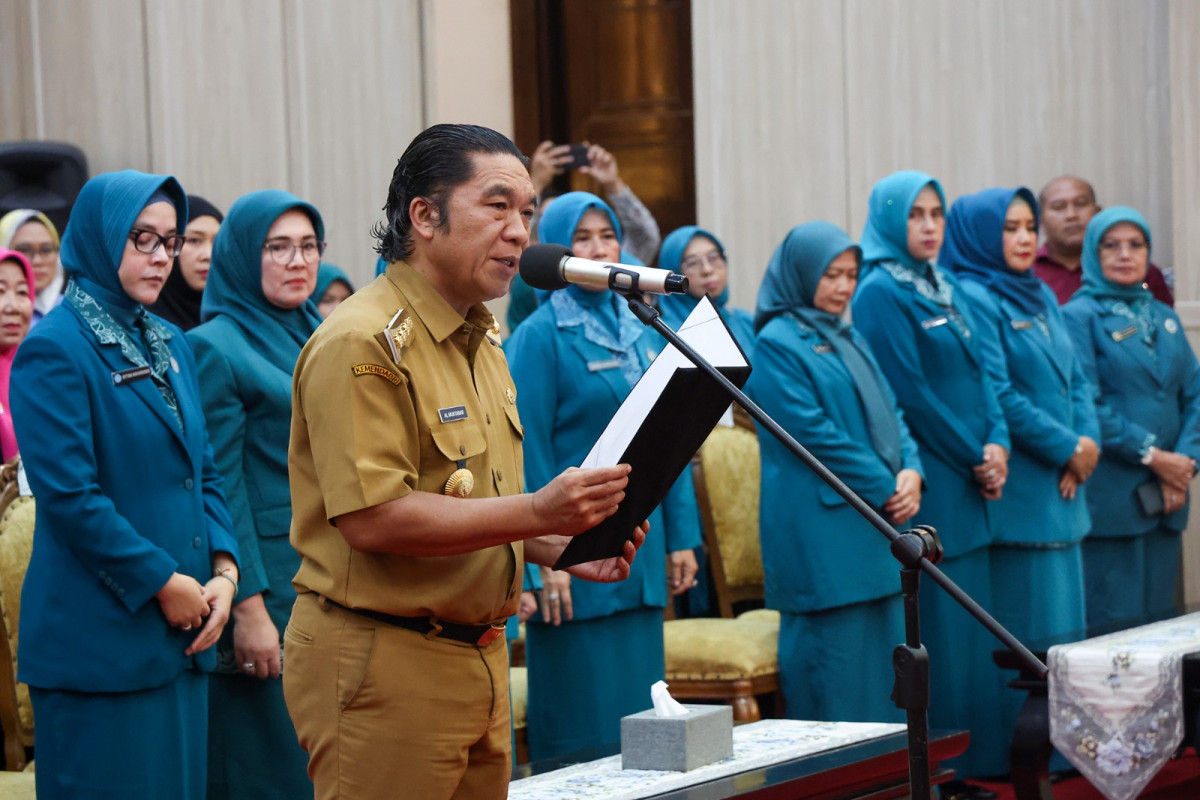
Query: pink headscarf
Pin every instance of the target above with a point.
(8, 437)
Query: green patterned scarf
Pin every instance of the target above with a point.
(108, 331)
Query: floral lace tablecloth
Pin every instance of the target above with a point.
(1116, 702)
(758, 744)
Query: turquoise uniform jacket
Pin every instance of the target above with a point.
(1048, 405)
(827, 555)
(124, 497)
(949, 403)
(248, 405)
(1137, 396)
(567, 390)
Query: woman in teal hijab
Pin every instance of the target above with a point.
(915, 317)
(699, 255)
(333, 286)
(1039, 522)
(1135, 353)
(132, 573)
(257, 315)
(816, 376)
(596, 648)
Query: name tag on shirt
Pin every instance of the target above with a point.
(1022, 324)
(597, 366)
(1124, 333)
(130, 375)
(452, 414)
(934, 322)
(822, 349)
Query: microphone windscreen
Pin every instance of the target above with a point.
(540, 266)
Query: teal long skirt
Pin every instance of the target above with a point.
(1037, 593)
(964, 682)
(836, 665)
(1131, 579)
(585, 675)
(143, 745)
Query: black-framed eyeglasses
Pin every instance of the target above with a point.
(148, 242)
(31, 252)
(714, 257)
(282, 252)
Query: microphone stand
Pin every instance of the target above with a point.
(917, 551)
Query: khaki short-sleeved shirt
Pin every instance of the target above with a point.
(369, 427)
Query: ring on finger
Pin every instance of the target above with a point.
(552, 597)
(248, 666)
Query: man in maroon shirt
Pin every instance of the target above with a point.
(1067, 203)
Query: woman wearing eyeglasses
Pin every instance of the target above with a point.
(1134, 351)
(133, 569)
(257, 315)
(700, 257)
(33, 235)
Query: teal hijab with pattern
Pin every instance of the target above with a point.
(234, 288)
(1094, 282)
(602, 314)
(93, 247)
(1135, 302)
(885, 241)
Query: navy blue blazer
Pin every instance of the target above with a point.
(1048, 405)
(1136, 396)
(800, 381)
(125, 498)
(948, 400)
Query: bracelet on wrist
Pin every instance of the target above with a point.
(224, 573)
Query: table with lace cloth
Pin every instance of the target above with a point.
(1116, 702)
(755, 745)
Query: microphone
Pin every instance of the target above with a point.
(552, 266)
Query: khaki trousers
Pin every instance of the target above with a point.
(384, 712)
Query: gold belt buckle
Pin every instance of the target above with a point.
(490, 635)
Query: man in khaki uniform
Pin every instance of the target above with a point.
(406, 480)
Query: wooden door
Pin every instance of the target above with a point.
(617, 73)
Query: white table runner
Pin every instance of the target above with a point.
(755, 745)
(1116, 702)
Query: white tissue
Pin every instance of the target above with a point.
(664, 704)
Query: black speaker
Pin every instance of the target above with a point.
(45, 176)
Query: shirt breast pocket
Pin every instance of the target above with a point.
(461, 444)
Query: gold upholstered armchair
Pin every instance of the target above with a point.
(16, 543)
(733, 659)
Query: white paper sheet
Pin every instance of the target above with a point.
(707, 334)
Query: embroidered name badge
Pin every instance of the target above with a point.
(598, 366)
(130, 375)
(1124, 333)
(1172, 326)
(822, 349)
(375, 369)
(934, 322)
(1022, 324)
(452, 414)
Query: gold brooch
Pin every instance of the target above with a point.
(402, 335)
(460, 483)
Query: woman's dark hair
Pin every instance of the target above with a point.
(433, 165)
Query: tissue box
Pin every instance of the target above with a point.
(702, 736)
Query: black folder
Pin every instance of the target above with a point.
(677, 421)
